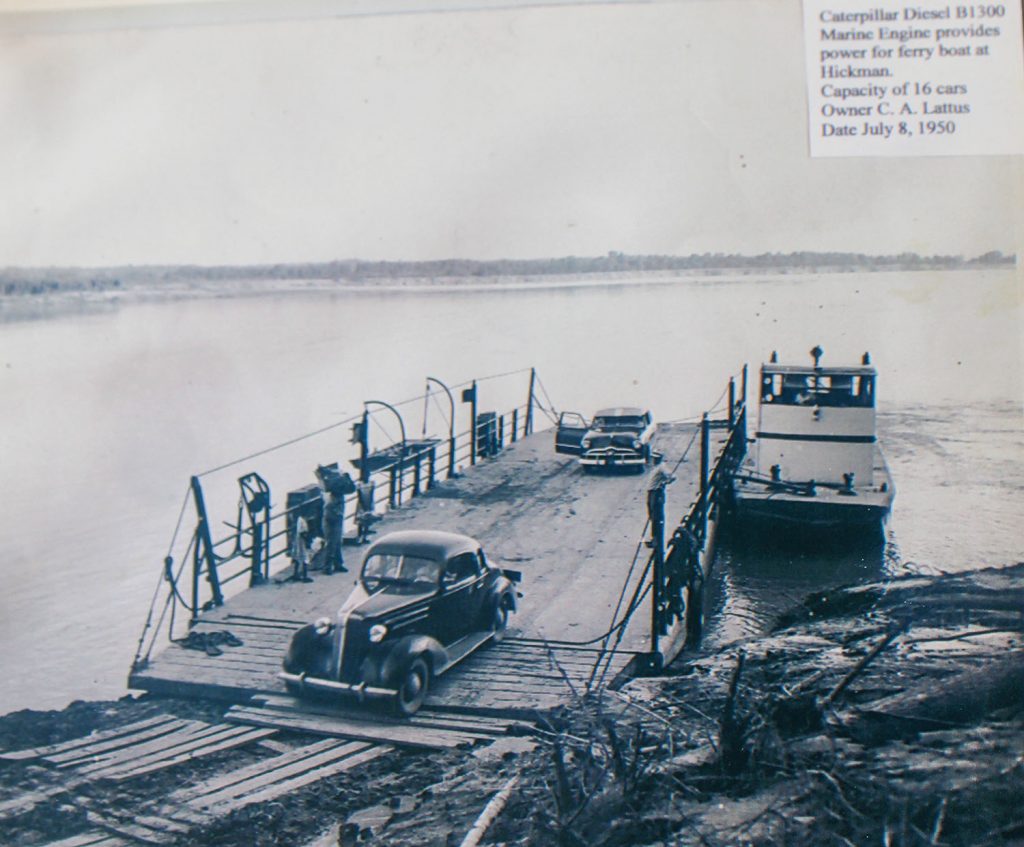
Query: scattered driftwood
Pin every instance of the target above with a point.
(873, 654)
(490, 812)
(961, 700)
(732, 731)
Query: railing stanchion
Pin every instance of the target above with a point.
(529, 405)
(705, 462)
(204, 553)
(515, 424)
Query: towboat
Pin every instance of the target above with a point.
(815, 465)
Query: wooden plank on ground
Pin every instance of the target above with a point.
(288, 786)
(127, 729)
(152, 737)
(407, 736)
(91, 838)
(277, 773)
(159, 747)
(422, 719)
(209, 786)
(128, 829)
(185, 753)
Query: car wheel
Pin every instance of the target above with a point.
(499, 622)
(412, 688)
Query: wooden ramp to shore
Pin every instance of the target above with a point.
(577, 538)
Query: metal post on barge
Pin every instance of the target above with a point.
(705, 467)
(529, 402)
(469, 396)
(203, 551)
(656, 515)
(451, 428)
(361, 436)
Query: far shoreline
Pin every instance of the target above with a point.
(63, 302)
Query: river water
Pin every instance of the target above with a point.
(106, 414)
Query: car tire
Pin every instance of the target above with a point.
(499, 622)
(412, 688)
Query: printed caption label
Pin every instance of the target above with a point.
(914, 79)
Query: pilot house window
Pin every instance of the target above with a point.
(815, 389)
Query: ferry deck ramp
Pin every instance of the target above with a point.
(574, 536)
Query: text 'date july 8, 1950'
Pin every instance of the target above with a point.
(905, 79)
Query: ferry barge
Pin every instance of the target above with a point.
(815, 465)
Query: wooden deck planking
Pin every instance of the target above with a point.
(366, 730)
(82, 741)
(216, 783)
(569, 533)
(187, 738)
(197, 805)
(92, 838)
(185, 753)
(130, 746)
(278, 789)
(275, 772)
(481, 724)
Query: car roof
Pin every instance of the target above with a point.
(424, 543)
(620, 412)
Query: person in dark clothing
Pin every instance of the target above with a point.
(334, 525)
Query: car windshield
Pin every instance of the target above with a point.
(395, 567)
(630, 423)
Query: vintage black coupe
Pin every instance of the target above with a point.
(424, 601)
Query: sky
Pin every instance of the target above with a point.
(647, 128)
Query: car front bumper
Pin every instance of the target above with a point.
(360, 691)
(611, 458)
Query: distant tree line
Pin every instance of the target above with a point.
(38, 281)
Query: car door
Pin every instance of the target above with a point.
(572, 426)
(461, 595)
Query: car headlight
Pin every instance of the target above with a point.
(377, 633)
(636, 444)
(322, 626)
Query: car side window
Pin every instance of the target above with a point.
(461, 567)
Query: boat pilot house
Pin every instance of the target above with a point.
(818, 423)
(816, 462)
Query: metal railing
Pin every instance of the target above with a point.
(677, 571)
(261, 537)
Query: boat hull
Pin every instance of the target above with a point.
(798, 511)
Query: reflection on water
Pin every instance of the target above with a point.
(959, 471)
(751, 584)
(105, 416)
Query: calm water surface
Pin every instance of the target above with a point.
(105, 416)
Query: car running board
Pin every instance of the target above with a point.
(458, 650)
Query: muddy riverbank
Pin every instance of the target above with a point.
(885, 713)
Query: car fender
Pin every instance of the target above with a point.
(501, 590)
(309, 652)
(404, 650)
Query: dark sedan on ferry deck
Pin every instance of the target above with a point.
(424, 601)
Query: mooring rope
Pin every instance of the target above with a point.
(346, 421)
(282, 445)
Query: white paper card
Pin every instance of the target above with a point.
(913, 78)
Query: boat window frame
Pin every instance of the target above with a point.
(811, 388)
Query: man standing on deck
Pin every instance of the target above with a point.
(334, 520)
(336, 486)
